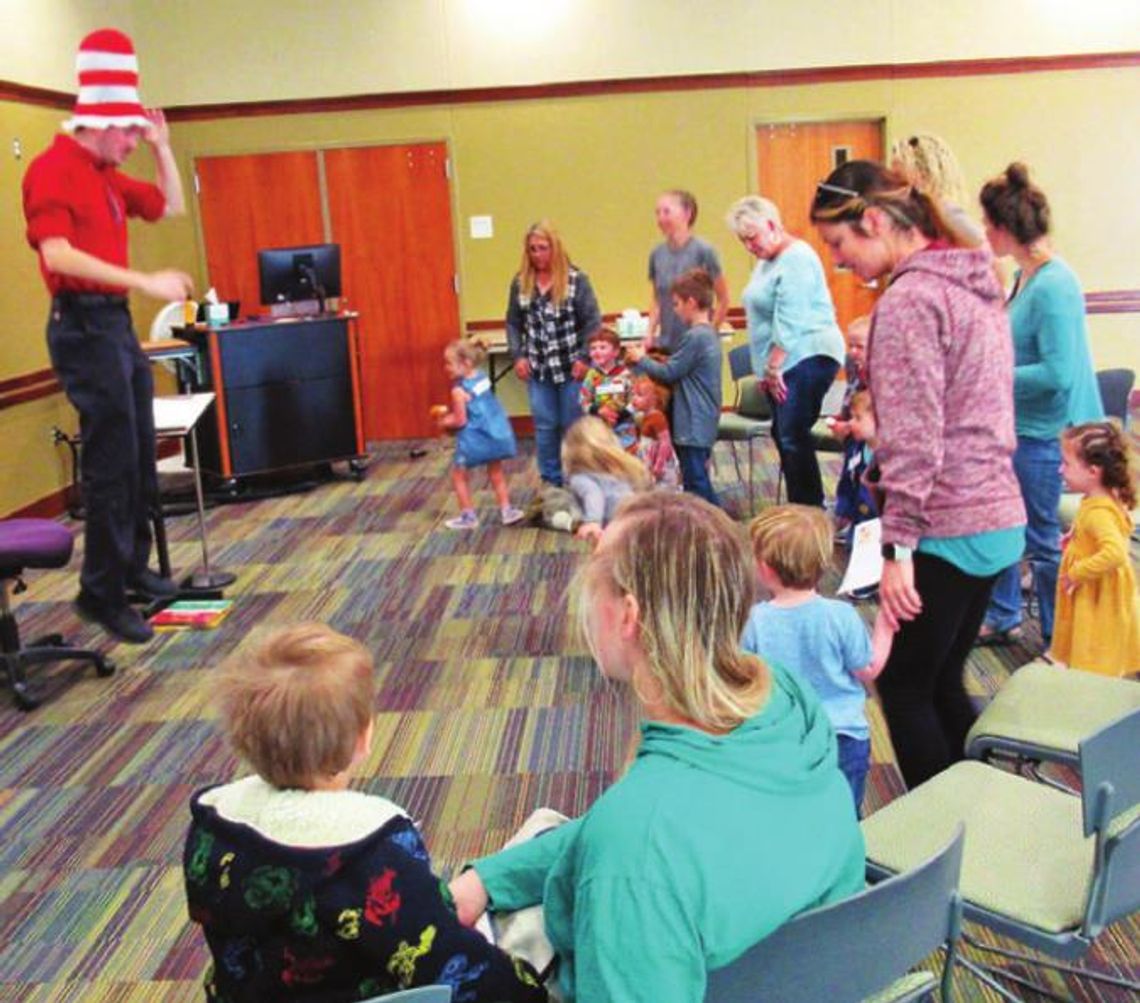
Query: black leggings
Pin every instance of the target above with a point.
(921, 687)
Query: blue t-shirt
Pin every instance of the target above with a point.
(822, 642)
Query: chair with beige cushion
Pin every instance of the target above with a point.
(1040, 866)
(1043, 712)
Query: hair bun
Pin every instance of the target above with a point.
(1017, 174)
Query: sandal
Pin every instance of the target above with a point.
(990, 638)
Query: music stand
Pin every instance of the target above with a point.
(177, 417)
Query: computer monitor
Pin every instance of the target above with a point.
(299, 274)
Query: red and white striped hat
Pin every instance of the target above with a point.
(108, 83)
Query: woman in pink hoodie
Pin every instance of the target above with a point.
(940, 366)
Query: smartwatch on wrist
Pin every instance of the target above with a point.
(896, 552)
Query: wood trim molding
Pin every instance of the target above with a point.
(28, 387)
(46, 97)
(1113, 301)
(645, 85)
(24, 94)
(49, 507)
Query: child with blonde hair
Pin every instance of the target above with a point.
(1097, 625)
(307, 890)
(654, 443)
(600, 474)
(484, 436)
(823, 642)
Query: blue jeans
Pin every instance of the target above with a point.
(807, 382)
(694, 463)
(1037, 464)
(854, 762)
(555, 407)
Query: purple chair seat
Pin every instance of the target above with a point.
(33, 543)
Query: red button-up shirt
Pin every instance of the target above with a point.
(68, 193)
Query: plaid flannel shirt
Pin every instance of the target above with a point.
(552, 338)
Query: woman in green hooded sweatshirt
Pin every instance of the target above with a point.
(734, 815)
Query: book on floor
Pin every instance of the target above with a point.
(198, 614)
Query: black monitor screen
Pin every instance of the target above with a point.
(295, 274)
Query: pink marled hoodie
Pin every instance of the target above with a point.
(941, 373)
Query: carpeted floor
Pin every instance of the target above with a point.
(486, 706)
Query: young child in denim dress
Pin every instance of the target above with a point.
(484, 436)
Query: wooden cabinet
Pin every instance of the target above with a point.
(288, 394)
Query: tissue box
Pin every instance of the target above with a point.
(217, 314)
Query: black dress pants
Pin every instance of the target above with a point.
(108, 380)
(921, 686)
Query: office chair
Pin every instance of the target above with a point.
(859, 947)
(33, 543)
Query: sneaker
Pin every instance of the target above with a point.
(122, 622)
(465, 520)
(152, 584)
(511, 515)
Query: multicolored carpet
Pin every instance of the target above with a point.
(487, 706)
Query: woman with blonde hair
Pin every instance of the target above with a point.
(733, 817)
(551, 310)
(929, 164)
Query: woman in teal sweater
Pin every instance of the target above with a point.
(734, 815)
(1053, 386)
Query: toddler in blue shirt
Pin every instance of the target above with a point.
(821, 641)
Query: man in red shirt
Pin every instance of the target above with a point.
(76, 203)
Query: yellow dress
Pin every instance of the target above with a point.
(1098, 627)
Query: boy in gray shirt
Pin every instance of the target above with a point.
(694, 371)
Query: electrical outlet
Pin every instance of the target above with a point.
(17, 149)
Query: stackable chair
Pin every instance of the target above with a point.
(1043, 712)
(33, 543)
(1115, 387)
(1041, 866)
(822, 437)
(421, 994)
(749, 419)
(859, 947)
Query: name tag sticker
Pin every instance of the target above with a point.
(481, 387)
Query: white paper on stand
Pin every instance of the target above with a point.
(865, 566)
(178, 414)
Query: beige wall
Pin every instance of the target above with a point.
(594, 164)
(366, 46)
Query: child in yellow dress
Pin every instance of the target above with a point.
(1098, 610)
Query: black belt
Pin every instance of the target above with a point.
(87, 300)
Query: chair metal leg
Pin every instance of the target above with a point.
(1057, 966)
(751, 479)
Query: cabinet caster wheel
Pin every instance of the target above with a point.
(24, 698)
(104, 667)
(358, 468)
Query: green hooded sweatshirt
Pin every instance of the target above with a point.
(702, 849)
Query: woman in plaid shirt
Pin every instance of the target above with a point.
(551, 310)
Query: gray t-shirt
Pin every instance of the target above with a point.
(599, 495)
(665, 265)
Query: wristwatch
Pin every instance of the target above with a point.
(896, 552)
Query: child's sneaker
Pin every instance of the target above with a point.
(465, 520)
(511, 515)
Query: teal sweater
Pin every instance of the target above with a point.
(1053, 380)
(703, 848)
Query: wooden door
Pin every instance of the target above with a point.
(251, 202)
(791, 158)
(390, 209)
